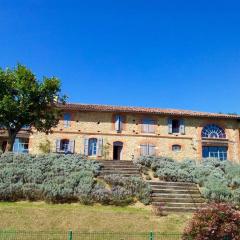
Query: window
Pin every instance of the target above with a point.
(176, 148)
(92, 147)
(176, 126)
(20, 145)
(213, 131)
(118, 123)
(215, 152)
(148, 150)
(65, 146)
(148, 126)
(67, 120)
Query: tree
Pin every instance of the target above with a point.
(25, 101)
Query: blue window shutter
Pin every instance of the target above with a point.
(144, 149)
(152, 126)
(182, 126)
(170, 126)
(85, 146)
(145, 125)
(118, 123)
(58, 142)
(71, 146)
(151, 150)
(99, 147)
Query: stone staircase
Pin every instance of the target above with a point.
(121, 167)
(176, 196)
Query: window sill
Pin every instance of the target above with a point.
(149, 133)
(63, 152)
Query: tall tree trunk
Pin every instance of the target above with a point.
(11, 139)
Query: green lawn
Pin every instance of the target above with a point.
(39, 216)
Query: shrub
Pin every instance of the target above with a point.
(129, 186)
(121, 196)
(101, 194)
(45, 147)
(236, 196)
(158, 210)
(54, 178)
(217, 190)
(170, 170)
(217, 221)
(58, 178)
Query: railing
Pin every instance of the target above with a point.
(70, 235)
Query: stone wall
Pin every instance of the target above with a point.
(99, 124)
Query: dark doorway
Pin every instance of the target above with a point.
(4, 146)
(117, 150)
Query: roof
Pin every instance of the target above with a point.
(143, 110)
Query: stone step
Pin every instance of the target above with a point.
(122, 174)
(176, 184)
(180, 204)
(176, 191)
(176, 195)
(120, 168)
(178, 200)
(180, 209)
(111, 162)
(119, 171)
(174, 187)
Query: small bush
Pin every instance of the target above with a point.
(45, 147)
(170, 170)
(101, 194)
(134, 187)
(159, 210)
(217, 190)
(217, 221)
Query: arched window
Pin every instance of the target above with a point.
(92, 147)
(176, 148)
(213, 131)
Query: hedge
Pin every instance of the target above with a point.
(59, 178)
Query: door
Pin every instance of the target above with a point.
(4, 146)
(117, 150)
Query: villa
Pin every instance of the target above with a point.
(125, 133)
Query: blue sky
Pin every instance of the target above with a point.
(156, 53)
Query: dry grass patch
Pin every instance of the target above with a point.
(39, 216)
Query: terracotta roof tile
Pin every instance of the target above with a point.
(143, 110)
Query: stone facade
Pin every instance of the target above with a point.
(100, 124)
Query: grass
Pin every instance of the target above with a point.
(39, 216)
